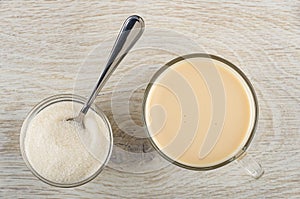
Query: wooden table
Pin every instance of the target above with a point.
(46, 47)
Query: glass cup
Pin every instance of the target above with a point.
(46, 103)
(249, 164)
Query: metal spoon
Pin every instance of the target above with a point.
(130, 32)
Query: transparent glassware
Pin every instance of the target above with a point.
(252, 167)
(47, 102)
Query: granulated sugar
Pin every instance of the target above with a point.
(56, 151)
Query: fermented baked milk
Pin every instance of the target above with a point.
(199, 112)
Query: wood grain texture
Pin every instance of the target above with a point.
(45, 43)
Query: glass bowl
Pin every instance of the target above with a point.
(46, 103)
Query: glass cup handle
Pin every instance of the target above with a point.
(252, 167)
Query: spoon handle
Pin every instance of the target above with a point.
(130, 32)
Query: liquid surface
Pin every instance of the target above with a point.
(199, 112)
(60, 150)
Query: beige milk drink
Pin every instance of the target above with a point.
(199, 112)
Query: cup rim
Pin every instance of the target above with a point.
(45, 103)
(235, 68)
